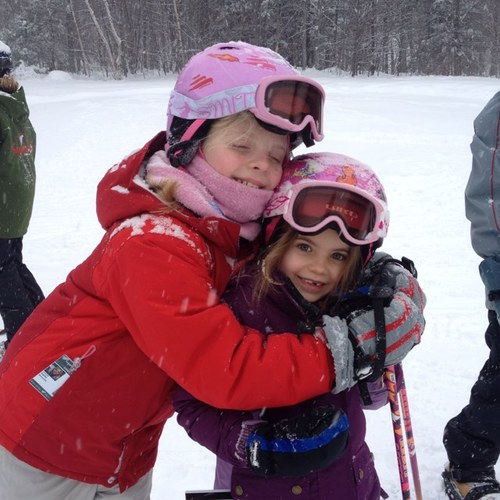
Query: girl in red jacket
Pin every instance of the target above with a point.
(142, 312)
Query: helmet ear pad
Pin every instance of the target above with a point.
(181, 152)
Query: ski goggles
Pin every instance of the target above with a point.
(360, 217)
(290, 104)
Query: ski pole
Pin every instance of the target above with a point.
(410, 441)
(390, 381)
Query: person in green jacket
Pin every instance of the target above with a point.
(19, 291)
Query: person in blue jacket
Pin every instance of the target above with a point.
(472, 438)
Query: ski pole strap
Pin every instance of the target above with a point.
(364, 393)
(380, 348)
(380, 339)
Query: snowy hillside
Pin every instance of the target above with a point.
(415, 132)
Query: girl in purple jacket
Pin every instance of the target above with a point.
(323, 224)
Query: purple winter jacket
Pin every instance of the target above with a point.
(352, 476)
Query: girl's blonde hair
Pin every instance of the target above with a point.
(166, 189)
(273, 257)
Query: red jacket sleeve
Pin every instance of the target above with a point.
(161, 288)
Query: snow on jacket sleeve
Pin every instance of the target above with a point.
(169, 306)
(482, 194)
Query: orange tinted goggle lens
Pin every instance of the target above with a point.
(294, 101)
(316, 205)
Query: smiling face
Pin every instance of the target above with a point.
(315, 264)
(247, 153)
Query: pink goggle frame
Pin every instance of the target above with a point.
(290, 103)
(361, 218)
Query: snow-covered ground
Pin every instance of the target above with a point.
(414, 131)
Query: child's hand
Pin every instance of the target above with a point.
(392, 287)
(350, 362)
(404, 327)
(297, 445)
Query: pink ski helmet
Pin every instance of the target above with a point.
(227, 78)
(318, 190)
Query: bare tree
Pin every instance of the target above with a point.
(114, 56)
(357, 36)
(83, 56)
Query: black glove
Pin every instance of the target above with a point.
(298, 445)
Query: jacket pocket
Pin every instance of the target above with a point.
(365, 477)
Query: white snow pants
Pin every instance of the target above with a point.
(20, 481)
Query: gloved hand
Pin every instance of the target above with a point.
(396, 292)
(389, 286)
(297, 445)
(350, 362)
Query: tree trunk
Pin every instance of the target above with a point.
(116, 72)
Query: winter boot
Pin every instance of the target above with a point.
(486, 488)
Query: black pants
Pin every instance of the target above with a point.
(472, 438)
(19, 291)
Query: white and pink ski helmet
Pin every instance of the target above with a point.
(321, 189)
(227, 78)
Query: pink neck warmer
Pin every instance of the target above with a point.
(208, 193)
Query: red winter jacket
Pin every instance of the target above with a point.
(141, 314)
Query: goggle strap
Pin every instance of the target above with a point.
(307, 136)
(270, 228)
(368, 254)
